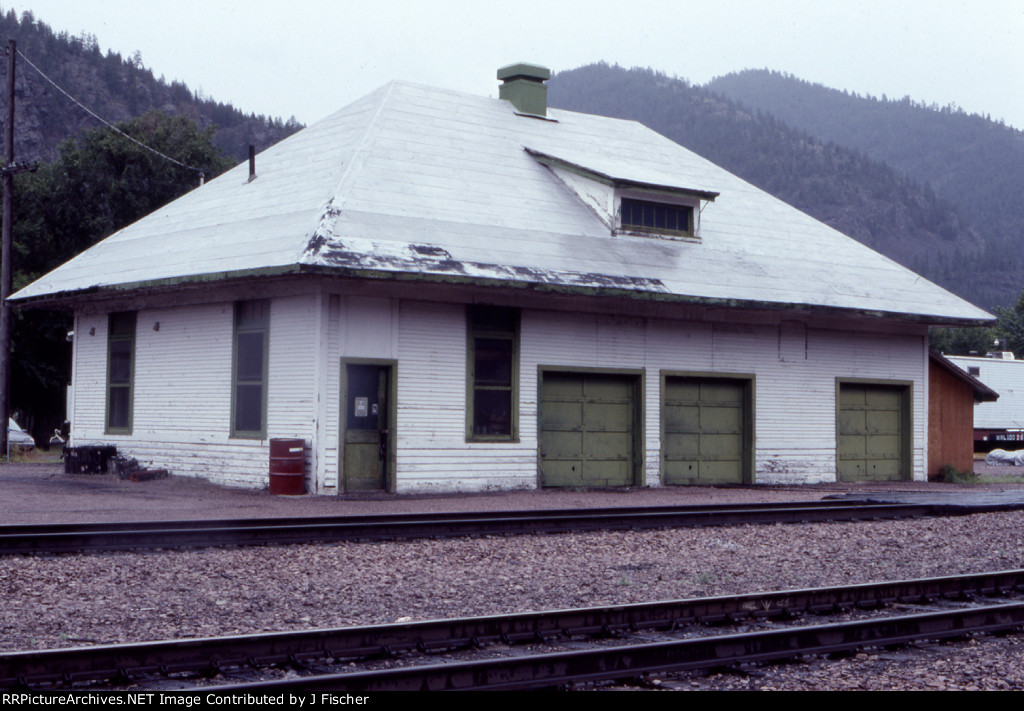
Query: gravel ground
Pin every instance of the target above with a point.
(77, 600)
(39, 492)
(90, 599)
(42, 493)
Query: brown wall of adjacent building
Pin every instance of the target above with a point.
(950, 423)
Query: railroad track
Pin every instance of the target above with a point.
(93, 537)
(590, 643)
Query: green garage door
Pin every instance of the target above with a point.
(587, 430)
(872, 442)
(705, 431)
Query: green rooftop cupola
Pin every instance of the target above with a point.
(523, 86)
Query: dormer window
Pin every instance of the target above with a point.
(647, 216)
(642, 205)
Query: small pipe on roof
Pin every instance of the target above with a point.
(252, 163)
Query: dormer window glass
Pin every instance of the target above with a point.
(653, 216)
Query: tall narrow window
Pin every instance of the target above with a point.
(120, 371)
(492, 408)
(249, 381)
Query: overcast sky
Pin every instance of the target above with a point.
(307, 58)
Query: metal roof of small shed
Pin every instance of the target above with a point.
(416, 182)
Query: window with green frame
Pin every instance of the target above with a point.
(120, 371)
(249, 369)
(492, 374)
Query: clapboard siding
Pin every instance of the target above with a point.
(90, 379)
(372, 230)
(182, 388)
(795, 370)
(183, 381)
(433, 454)
(291, 397)
(327, 481)
(358, 328)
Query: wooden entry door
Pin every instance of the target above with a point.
(365, 424)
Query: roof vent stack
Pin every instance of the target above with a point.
(523, 86)
(252, 163)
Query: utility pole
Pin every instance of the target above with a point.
(6, 238)
(6, 274)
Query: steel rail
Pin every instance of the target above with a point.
(629, 661)
(96, 537)
(210, 654)
(411, 516)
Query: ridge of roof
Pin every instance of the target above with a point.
(335, 202)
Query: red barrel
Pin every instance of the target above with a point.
(287, 466)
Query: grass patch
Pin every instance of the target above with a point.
(997, 479)
(20, 455)
(952, 475)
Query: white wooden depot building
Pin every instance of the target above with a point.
(444, 292)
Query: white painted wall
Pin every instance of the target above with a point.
(182, 388)
(795, 371)
(183, 381)
(357, 327)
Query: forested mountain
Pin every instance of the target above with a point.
(114, 87)
(975, 163)
(864, 198)
(91, 182)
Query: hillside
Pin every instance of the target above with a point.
(91, 182)
(114, 87)
(861, 197)
(970, 160)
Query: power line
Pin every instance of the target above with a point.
(104, 121)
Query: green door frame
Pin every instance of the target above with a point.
(749, 421)
(390, 470)
(906, 388)
(639, 436)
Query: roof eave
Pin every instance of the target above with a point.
(69, 299)
(982, 392)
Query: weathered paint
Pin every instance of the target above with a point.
(366, 415)
(795, 403)
(424, 259)
(707, 429)
(417, 183)
(872, 425)
(373, 229)
(182, 395)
